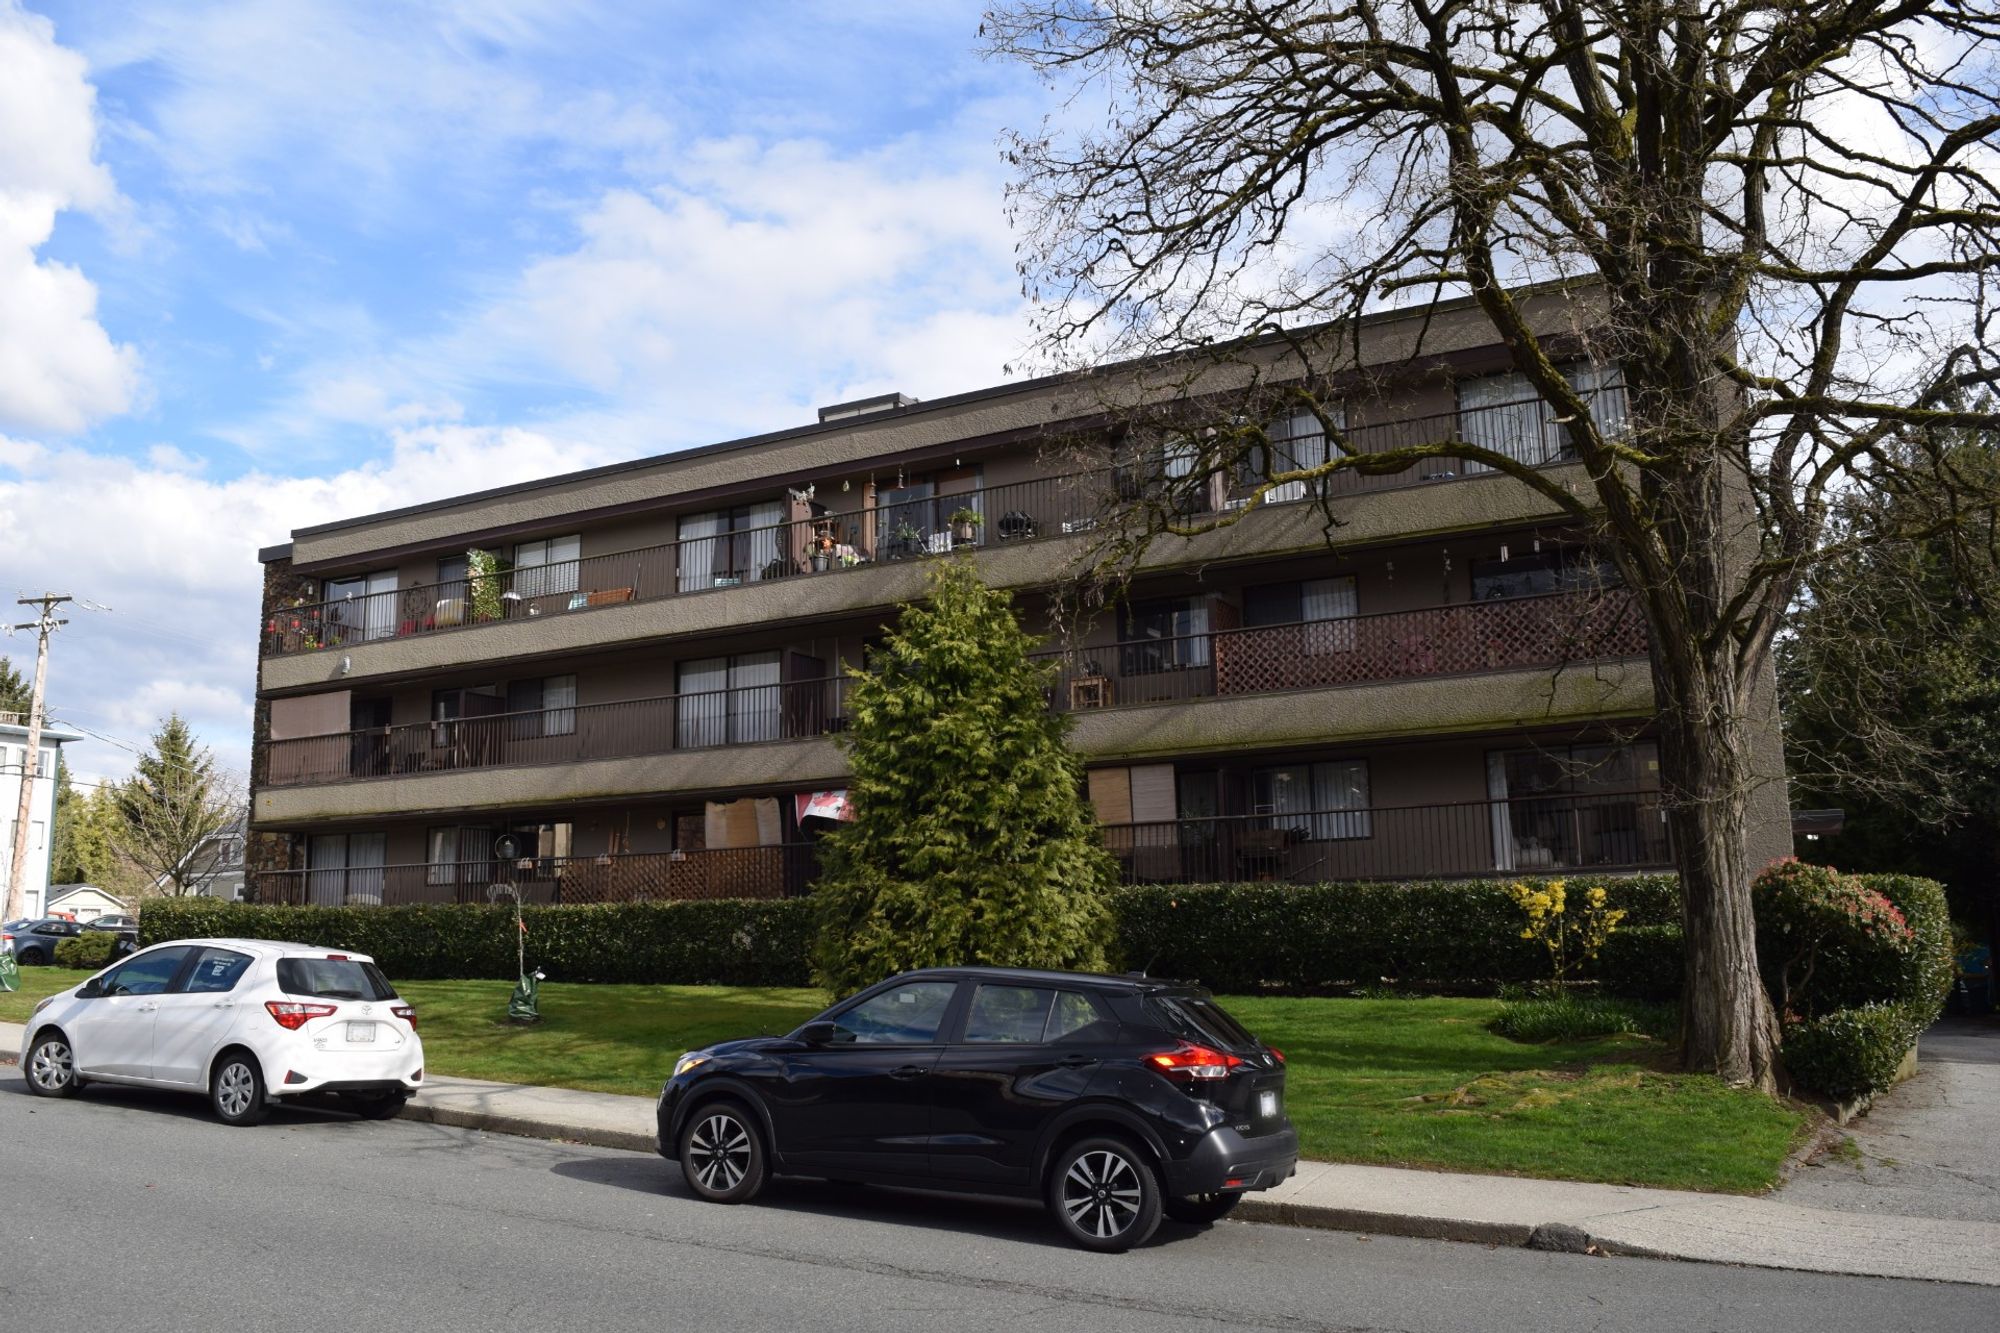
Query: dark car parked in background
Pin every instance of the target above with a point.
(33, 942)
(1115, 1100)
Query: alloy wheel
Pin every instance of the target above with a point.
(1101, 1194)
(235, 1087)
(51, 1067)
(720, 1152)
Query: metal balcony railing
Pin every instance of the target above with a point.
(1041, 508)
(1535, 835)
(795, 710)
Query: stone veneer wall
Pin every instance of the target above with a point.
(271, 851)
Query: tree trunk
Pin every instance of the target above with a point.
(1727, 1023)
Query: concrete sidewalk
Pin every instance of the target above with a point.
(1492, 1210)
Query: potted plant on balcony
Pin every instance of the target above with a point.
(965, 525)
(904, 540)
(820, 550)
(483, 576)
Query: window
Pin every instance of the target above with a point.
(333, 979)
(545, 707)
(547, 566)
(460, 854)
(344, 866)
(1008, 1014)
(148, 974)
(1295, 443)
(1168, 634)
(1540, 573)
(1576, 805)
(1321, 802)
(908, 1015)
(1505, 414)
(1317, 603)
(1077, 1017)
(731, 546)
(218, 971)
(728, 700)
(361, 607)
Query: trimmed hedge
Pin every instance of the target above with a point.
(1870, 990)
(1320, 937)
(738, 942)
(90, 951)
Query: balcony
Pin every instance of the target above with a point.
(1541, 835)
(1499, 636)
(1011, 515)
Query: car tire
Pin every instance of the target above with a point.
(1200, 1209)
(722, 1153)
(1105, 1195)
(32, 958)
(386, 1106)
(51, 1067)
(236, 1089)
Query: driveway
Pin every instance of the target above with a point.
(1927, 1147)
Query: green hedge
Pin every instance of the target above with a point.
(735, 942)
(90, 951)
(1849, 1052)
(1319, 937)
(1871, 993)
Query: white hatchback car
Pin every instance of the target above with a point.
(248, 1021)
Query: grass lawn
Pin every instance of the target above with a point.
(1394, 1082)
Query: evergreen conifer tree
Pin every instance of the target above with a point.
(971, 840)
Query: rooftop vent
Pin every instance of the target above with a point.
(863, 407)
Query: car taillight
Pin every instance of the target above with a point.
(1276, 1054)
(1188, 1060)
(292, 1015)
(406, 1013)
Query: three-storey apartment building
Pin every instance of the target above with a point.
(629, 682)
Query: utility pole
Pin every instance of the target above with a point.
(44, 624)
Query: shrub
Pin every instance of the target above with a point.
(1922, 977)
(1848, 1052)
(1572, 929)
(746, 942)
(1571, 1017)
(1644, 962)
(90, 951)
(1825, 940)
(1322, 937)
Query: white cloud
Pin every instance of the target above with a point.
(174, 554)
(59, 369)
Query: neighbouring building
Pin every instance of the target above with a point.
(633, 674)
(84, 902)
(15, 768)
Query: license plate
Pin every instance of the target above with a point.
(1267, 1105)
(366, 1032)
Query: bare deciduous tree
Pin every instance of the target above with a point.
(172, 811)
(1781, 222)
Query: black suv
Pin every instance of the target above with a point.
(1114, 1099)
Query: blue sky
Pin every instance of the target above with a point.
(277, 263)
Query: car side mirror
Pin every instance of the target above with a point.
(820, 1034)
(89, 990)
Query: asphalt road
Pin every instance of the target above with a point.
(135, 1211)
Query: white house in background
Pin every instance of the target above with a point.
(216, 867)
(15, 769)
(83, 902)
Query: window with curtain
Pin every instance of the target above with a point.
(547, 566)
(731, 546)
(1325, 608)
(728, 700)
(361, 607)
(460, 854)
(544, 707)
(1536, 574)
(340, 866)
(1570, 805)
(1296, 442)
(1166, 634)
(1504, 413)
(1322, 802)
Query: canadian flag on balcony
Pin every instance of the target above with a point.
(822, 805)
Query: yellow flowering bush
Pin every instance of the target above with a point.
(1571, 932)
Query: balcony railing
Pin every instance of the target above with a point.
(1399, 645)
(1031, 510)
(735, 872)
(796, 710)
(1393, 645)
(1535, 835)
(1538, 835)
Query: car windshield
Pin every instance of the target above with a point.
(333, 979)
